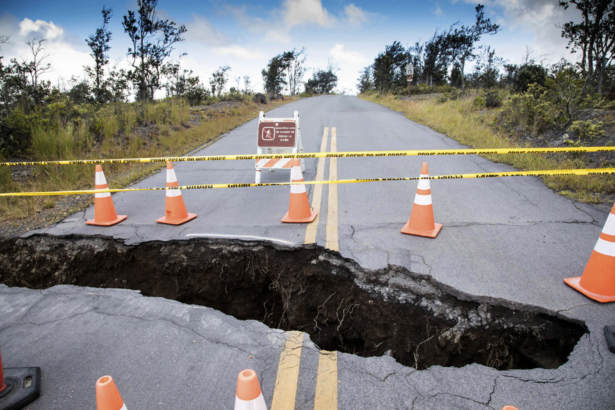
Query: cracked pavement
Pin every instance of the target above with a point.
(505, 241)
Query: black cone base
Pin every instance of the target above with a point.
(23, 386)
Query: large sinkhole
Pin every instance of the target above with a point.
(340, 305)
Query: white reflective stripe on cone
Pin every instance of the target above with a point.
(99, 179)
(424, 184)
(295, 174)
(174, 192)
(124, 407)
(171, 175)
(605, 247)
(103, 195)
(256, 404)
(422, 199)
(609, 226)
(297, 189)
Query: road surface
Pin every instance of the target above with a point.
(505, 241)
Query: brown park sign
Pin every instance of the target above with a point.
(277, 134)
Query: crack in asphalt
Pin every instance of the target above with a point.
(593, 220)
(518, 193)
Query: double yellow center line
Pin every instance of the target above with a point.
(287, 379)
(332, 241)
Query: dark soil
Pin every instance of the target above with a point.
(340, 305)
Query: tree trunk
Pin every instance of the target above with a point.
(601, 76)
(463, 77)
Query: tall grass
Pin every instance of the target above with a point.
(116, 131)
(460, 120)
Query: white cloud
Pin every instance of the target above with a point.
(338, 53)
(299, 12)
(66, 61)
(278, 36)
(202, 31)
(538, 17)
(238, 51)
(40, 28)
(277, 27)
(355, 15)
(438, 11)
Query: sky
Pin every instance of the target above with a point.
(245, 35)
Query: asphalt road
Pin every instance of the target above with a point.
(508, 241)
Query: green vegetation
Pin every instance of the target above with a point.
(512, 105)
(478, 128)
(120, 130)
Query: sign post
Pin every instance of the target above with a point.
(409, 73)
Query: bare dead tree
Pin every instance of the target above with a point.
(37, 66)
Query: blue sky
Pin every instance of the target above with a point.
(245, 35)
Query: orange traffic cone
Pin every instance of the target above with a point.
(104, 210)
(598, 279)
(249, 395)
(107, 395)
(421, 221)
(509, 408)
(299, 208)
(176, 213)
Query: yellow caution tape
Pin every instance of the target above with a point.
(595, 171)
(351, 154)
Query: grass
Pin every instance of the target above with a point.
(118, 131)
(460, 120)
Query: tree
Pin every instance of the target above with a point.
(435, 59)
(594, 36)
(118, 85)
(295, 69)
(79, 92)
(20, 82)
(510, 71)
(99, 44)
(152, 42)
(486, 69)
(389, 70)
(218, 80)
(247, 85)
(274, 75)
(415, 56)
(36, 67)
(529, 74)
(365, 80)
(322, 81)
(461, 41)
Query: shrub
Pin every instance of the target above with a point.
(588, 130)
(259, 98)
(479, 100)
(492, 99)
(425, 89)
(16, 133)
(529, 74)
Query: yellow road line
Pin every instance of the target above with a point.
(288, 373)
(312, 228)
(332, 239)
(326, 383)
